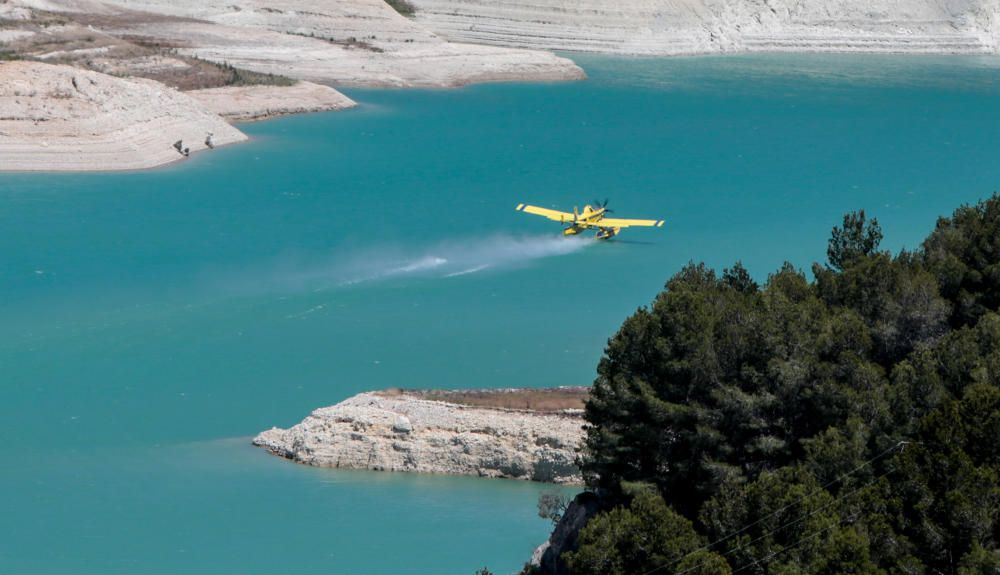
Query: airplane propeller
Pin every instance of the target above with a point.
(604, 204)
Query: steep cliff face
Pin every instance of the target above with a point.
(547, 558)
(403, 433)
(697, 26)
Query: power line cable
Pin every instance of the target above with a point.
(897, 445)
(772, 555)
(790, 523)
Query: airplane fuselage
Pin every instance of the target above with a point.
(588, 218)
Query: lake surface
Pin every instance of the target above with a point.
(152, 322)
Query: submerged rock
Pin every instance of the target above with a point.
(405, 433)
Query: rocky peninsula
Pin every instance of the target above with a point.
(162, 72)
(61, 117)
(408, 431)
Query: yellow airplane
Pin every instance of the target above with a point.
(590, 217)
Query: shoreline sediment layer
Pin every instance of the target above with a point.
(401, 432)
(680, 27)
(248, 103)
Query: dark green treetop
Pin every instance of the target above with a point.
(848, 424)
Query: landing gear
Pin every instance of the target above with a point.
(606, 233)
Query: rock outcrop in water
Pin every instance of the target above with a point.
(407, 433)
(666, 27)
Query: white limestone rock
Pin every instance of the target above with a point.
(403, 433)
(402, 424)
(667, 27)
(55, 117)
(260, 102)
(347, 42)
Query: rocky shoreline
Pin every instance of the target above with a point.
(249, 103)
(63, 118)
(171, 71)
(174, 72)
(403, 432)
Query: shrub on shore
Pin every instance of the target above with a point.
(240, 77)
(404, 7)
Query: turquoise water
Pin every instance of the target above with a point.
(152, 322)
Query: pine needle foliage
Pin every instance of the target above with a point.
(848, 423)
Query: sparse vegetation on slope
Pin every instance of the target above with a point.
(403, 7)
(551, 399)
(83, 41)
(239, 77)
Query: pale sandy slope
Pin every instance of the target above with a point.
(242, 103)
(60, 118)
(345, 42)
(63, 118)
(698, 26)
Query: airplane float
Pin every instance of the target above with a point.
(591, 217)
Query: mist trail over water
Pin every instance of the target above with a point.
(456, 258)
(447, 259)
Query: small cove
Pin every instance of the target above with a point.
(153, 321)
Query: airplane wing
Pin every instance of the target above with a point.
(550, 214)
(623, 223)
